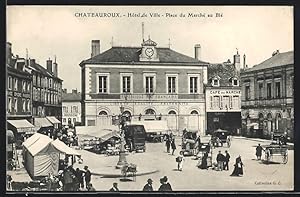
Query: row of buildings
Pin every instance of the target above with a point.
(34, 94)
(156, 83)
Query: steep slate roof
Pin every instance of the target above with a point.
(279, 59)
(125, 55)
(44, 71)
(224, 71)
(71, 97)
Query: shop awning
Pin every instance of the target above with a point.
(21, 125)
(42, 122)
(53, 119)
(153, 125)
(94, 131)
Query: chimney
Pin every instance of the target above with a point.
(31, 62)
(95, 48)
(55, 71)
(8, 53)
(74, 91)
(275, 53)
(49, 65)
(236, 61)
(64, 90)
(197, 51)
(244, 63)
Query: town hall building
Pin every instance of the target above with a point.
(150, 82)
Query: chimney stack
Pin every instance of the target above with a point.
(31, 62)
(8, 53)
(244, 64)
(197, 51)
(49, 65)
(55, 71)
(95, 48)
(237, 61)
(74, 91)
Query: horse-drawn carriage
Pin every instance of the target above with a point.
(221, 137)
(277, 148)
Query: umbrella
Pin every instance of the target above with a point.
(10, 137)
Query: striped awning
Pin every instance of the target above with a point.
(21, 126)
(42, 122)
(53, 120)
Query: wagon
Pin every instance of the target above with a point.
(276, 150)
(221, 137)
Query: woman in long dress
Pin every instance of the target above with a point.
(238, 167)
(204, 162)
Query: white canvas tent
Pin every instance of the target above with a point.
(154, 126)
(41, 155)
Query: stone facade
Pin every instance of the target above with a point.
(268, 97)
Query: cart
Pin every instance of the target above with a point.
(221, 137)
(276, 150)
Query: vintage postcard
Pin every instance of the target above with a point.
(150, 98)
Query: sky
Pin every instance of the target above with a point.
(65, 32)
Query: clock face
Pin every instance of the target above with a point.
(149, 52)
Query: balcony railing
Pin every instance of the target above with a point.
(268, 102)
(145, 97)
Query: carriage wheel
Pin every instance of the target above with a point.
(285, 157)
(228, 143)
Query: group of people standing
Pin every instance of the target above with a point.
(223, 160)
(165, 185)
(170, 143)
(76, 180)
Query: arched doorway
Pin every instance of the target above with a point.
(103, 119)
(269, 124)
(172, 120)
(150, 114)
(278, 120)
(127, 115)
(193, 123)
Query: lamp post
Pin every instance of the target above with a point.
(122, 156)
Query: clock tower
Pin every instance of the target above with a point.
(149, 52)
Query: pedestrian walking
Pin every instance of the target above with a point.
(9, 180)
(173, 145)
(87, 175)
(114, 188)
(204, 161)
(227, 158)
(148, 186)
(165, 185)
(168, 143)
(258, 153)
(79, 177)
(68, 181)
(180, 159)
(220, 161)
(238, 167)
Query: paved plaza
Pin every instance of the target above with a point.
(156, 163)
(257, 175)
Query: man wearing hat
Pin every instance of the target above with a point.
(148, 186)
(165, 186)
(87, 176)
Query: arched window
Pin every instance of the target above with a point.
(150, 112)
(103, 113)
(127, 115)
(172, 112)
(277, 121)
(194, 112)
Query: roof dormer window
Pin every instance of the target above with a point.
(235, 82)
(215, 81)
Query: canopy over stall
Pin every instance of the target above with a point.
(41, 155)
(94, 131)
(53, 120)
(42, 122)
(254, 125)
(21, 126)
(154, 126)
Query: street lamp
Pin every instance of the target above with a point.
(122, 156)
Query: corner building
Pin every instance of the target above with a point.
(268, 97)
(151, 83)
